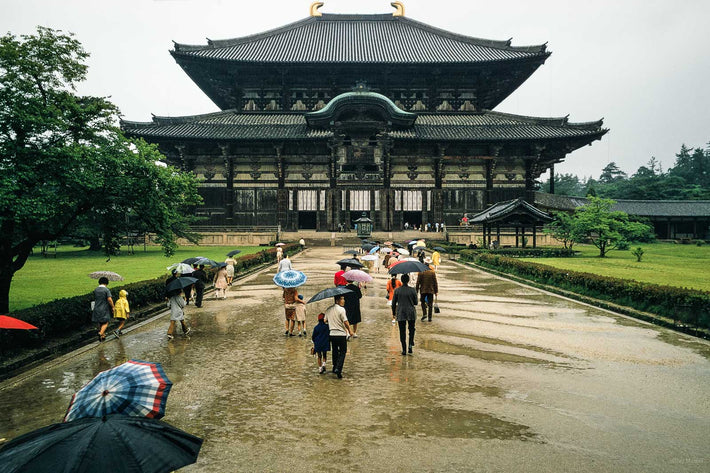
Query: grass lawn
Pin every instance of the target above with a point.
(46, 279)
(663, 263)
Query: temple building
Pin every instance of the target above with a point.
(335, 115)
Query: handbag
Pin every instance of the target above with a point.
(313, 350)
(436, 306)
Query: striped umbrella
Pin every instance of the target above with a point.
(135, 388)
(290, 278)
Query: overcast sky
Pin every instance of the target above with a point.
(642, 65)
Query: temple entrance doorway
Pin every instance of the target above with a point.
(307, 220)
(412, 218)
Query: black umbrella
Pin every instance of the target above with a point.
(179, 284)
(233, 252)
(351, 252)
(330, 292)
(353, 263)
(440, 249)
(192, 260)
(397, 245)
(116, 443)
(408, 267)
(206, 262)
(367, 247)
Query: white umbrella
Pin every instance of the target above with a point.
(370, 258)
(181, 268)
(402, 251)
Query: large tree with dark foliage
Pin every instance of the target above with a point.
(63, 159)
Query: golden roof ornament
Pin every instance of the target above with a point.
(400, 8)
(314, 8)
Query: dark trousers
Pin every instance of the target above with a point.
(403, 332)
(188, 294)
(427, 304)
(339, 347)
(199, 292)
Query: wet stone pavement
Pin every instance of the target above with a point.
(506, 378)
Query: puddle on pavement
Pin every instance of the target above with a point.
(439, 346)
(455, 423)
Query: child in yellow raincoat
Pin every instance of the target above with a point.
(121, 311)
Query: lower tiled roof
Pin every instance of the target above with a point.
(641, 208)
(233, 125)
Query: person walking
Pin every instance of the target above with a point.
(290, 296)
(121, 312)
(220, 284)
(338, 278)
(103, 307)
(321, 342)
(279, 254)
(301, 316)
(302, 242)
(284, 264)
(230, 262)
(404, 303)
(339, 330)
(392, 284)
(428, 287)
(436, 259)
(352, 306)
(176, 302)
(201, 276)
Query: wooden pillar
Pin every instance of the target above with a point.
(498, 233)
(348, 221)
(425, 214)
(516, 237)
(229, 177)
(534, 229)
(522, 236)
(552, 178)
(294, 212)
(488, 195)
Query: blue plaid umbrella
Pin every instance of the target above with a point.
(135, 388)
(290, 278)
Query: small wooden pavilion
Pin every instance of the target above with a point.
(516, 214)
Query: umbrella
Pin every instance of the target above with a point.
(15, 324)
(387, 243)
(385, 250)
(402, 251)
(206, 262)
(135, 388)
(114, 443)
(351, 252)
(330, 292)
(419, 248)
(367, 246)
(279, 244)
(106, 274)
(179, 284)
(192, 260)
(370, 258)
(290, 278)
(403, 267)
(440, 249)
(374, 250)
(353, 263)
(397, 245)
(181, 268)
(357, 275)
(234, 252)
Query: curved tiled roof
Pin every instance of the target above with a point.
(233, 125)
(359, 39)
(644, 208)
(499, 211)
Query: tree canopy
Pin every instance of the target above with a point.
(63, 158)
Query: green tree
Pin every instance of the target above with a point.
(563, 229)
(607, 229)
(62, 157)
(611, 173)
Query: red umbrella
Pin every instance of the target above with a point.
(13, 323)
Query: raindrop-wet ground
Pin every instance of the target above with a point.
(505, 378)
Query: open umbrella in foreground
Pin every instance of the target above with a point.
(357, 275)
(330, 292)
(135, 388)
(111, 276)
(234, 252)
(179, 284)
(351, 262)
(290, 278)
(405, 267)
(15, 324)
(440, 249)
(115, 443)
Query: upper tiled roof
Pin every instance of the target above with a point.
(232, 125)
(359, 39)
(642, 208)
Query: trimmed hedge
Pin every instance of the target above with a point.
(689, 306)
(68, 316)
(522, 252)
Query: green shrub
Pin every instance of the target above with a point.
(686, 305)
(520, 252)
